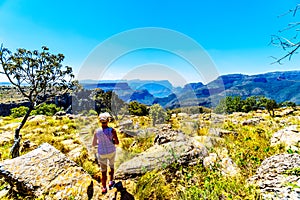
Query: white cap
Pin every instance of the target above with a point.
(104, 116)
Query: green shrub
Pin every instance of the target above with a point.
(46, 109)
(43, 109)
(19, 111)
(92, 112)
(136, 108)
(157, 114)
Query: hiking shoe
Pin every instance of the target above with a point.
(104, 190)
(111, 184)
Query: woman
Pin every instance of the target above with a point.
(106, 138)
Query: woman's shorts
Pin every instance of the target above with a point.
(103, 159)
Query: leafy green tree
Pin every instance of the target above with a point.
(237, 104)
(229, 105)
(136, 108)
(108, 102)
(102, 100)
(157, 114)
(250, 104)
(268, 104)
(38, 76)
(288, 104)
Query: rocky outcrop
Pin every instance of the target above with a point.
(289, 136)
(222, 162)
(6, 137)
(252, 121)
(126, 127)
(170, 146)
(217, 132)
(278, 177)
(284, 112)
(46, 172)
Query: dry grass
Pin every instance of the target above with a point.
(248, 148)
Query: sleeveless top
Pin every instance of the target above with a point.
(105, 141)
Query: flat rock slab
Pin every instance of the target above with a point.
(183, 151)
(47, 172)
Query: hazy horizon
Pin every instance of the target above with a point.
(157, 80)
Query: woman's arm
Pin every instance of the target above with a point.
(95, 142)
(115, 136)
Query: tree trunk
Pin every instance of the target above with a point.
(15, 149)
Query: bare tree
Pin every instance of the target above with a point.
(38, 76)
(287, 38)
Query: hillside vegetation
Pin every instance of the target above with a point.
(247, 144)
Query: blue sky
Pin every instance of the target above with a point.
(235, 34)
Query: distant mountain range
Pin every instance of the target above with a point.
(280, 86)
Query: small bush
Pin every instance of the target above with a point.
(18, 112)
(46, 109)
(92, 112)
(43, 109)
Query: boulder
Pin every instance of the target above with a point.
(60, 113)
(6, 137)
(181, 149)
(10, 126)
(75, 153)
(46, 172)
(126, 124)
(289, 136)
(229, 167)
(216, 118)
(278, 177)
(183, 115)
(252, 121)
(167, 135)
(223, 162)
(217, 132)
(285, 112)
(37, 118)
(210, 161)
(210, 141)
(131, 133)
